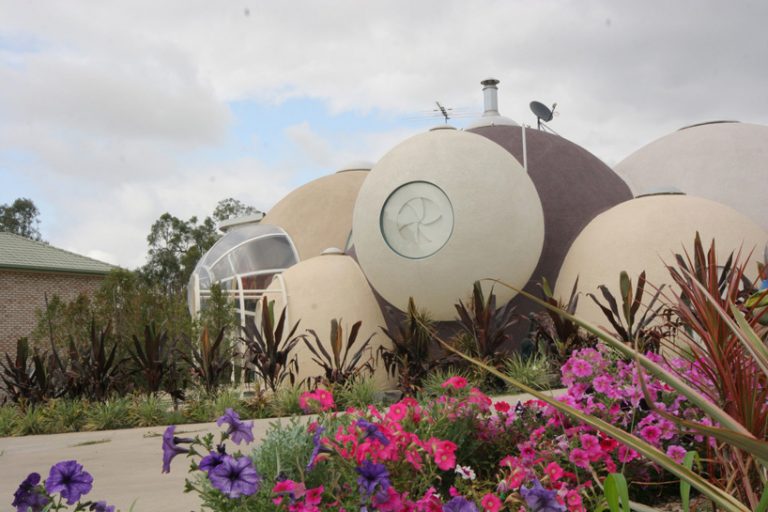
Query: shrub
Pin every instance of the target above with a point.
(285, 402)
(359, 393)
(534, 370)
(147, 411)
(64, 415)
(110, 414)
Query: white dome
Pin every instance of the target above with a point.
(724, 161)
(645, 234)
(323, 288)
(442, 210)
(318, 215)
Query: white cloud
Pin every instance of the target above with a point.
(115, 101)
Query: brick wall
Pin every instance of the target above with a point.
(23, 293)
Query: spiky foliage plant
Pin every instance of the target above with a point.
(269, 347)
(150, 356)
(636, 329)
(338, 364)
(409, 358)
(210, 361)
(29, 377)
(711, 298)
(485, 326)
(93, 369)
(554, 335)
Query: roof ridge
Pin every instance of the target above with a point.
(49, 246)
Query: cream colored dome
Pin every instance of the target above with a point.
(644, 234)
(442, 210)
(323, 288)
(318, 215)
(724, 161)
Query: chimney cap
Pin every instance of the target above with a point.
(490, 81)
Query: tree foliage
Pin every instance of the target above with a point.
(176, 245)
(21, 217)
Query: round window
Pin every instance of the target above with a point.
(417, 219)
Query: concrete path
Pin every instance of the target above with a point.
(125, 464)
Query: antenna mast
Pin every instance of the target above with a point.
(443, 111)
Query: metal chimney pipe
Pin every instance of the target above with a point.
(490, 94)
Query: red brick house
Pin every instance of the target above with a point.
(28, 271)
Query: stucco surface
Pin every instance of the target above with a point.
(725, 162)
(326, 287)
(318, 215)
(498, 225)
(645, 234)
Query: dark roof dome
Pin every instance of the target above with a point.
(574, 187)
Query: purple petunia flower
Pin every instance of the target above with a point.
(171, 447)
(318, 446)
(235, 477)
(212, 460)
(29, 496)
(101, 506)
(459, 504)
(238, 431)
(371, 476)
(539, 499)
(372, 430)
(69, 480)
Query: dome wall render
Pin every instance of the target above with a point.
(574, 187)
(497, 226)
(724, 161)
(323, 288)
(644, 234)
(318, 215)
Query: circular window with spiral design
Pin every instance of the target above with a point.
(417, 219)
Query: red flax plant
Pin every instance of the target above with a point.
(710, 297)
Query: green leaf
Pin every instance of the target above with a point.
(685, 487)
(762, 506)
(617, 493)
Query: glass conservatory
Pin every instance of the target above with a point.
(244, 262)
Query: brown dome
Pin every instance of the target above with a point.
(574, 186)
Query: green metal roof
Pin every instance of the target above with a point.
(17, 252)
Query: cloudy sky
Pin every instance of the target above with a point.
(112, 113)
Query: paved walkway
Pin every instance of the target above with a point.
(125, 464)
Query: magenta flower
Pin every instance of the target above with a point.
(30, 497)
(651, 433)
(235, 477)
(69, 480)
(580, 458)
(455, 382)
(171, 447)
(677, 453)
(238, 431)
(581, 368)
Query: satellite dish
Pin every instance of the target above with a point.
(542, 112)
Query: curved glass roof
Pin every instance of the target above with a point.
(238, 259)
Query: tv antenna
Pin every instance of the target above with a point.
(443, 111)
(543, 113)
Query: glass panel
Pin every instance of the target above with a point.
(264, 253)
(236, 237)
